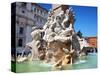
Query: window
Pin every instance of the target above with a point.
(34, 15)
(34, 9)
(23, 11)
(21, 29)
(41, 12)
(20, 42)
(37, 10)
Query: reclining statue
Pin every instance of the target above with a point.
(35, 44)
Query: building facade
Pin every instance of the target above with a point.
(27, 16)
(83, 43)
(92, 41)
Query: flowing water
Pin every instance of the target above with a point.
(85, 62)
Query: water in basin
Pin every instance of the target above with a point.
(86, 62)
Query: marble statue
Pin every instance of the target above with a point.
(62, 45)
(62, 40)
(35, 44)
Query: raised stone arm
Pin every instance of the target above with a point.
(71, 18)
(68, 21)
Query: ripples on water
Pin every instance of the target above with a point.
(45, 65)
(37, 66)
(80, 62)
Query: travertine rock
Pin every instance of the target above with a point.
(62, 45)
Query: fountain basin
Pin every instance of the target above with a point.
(90, 61)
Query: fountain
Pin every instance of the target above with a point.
(59, 45)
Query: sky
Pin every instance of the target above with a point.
(86, 19)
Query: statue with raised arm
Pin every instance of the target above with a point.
(36, 43)
(60, 38)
